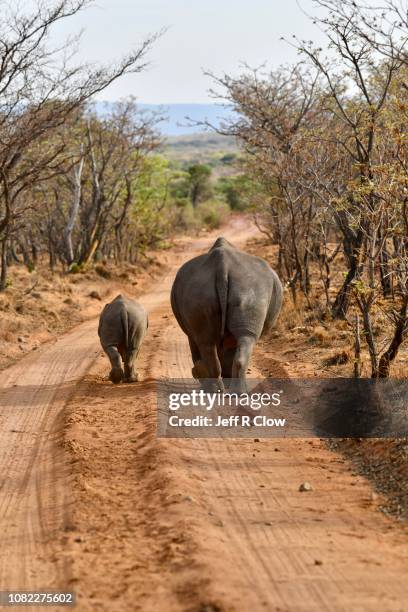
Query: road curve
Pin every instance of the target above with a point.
(35, 474)
(246, 539)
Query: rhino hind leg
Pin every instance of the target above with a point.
(210, 363)
(226, 356)
(116, 373)
(198, 370)
(130, 373)
(245, 345)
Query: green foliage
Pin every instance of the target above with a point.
(237, 191)
(156, 194)
(187, 219)
(200, 188)
(75, 268)
(212, 213)
(228, 158)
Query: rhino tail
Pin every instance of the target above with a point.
(125, 326)
(221, 283)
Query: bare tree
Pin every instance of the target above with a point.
(116, 147)
(40, 87)
(330, 154)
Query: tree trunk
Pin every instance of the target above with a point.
(400, 329)
(73, 213)
(357, 349)
(3, 272)
(342, 302)
(385, 272)
(87, 258)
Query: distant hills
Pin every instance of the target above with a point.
(209, 148)
(176, 123)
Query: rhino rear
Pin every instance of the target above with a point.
(122, 326)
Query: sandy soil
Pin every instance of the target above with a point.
(92, 501)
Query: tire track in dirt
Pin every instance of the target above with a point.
(279, 549)
(34, 477)
(135, 523)
(224, 526)
(35, 470)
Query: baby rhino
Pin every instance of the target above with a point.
(122, 327)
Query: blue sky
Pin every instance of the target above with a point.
(216, 35)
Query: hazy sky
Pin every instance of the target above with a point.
(217, 35)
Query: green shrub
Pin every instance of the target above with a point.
(212, 213)
(75, 268)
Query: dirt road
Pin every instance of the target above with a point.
(91, 501)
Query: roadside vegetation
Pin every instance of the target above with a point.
(78, 187)
(85, 196)
(326, 144)
(321, 162)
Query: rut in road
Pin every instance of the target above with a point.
(221, 524)
(35, 471)
(34, 474)
(275, 548)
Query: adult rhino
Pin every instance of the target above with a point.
(122, 327)
(224, 301)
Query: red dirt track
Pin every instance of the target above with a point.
(92, 501)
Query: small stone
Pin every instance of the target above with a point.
(318, 562)
(256, 439)
(305, 486)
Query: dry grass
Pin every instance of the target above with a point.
(41, 305)
(338, 358)
(320, 335)
(324, 347)
(311, 331)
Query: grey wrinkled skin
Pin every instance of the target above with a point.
(122, 327)
(224, 301)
